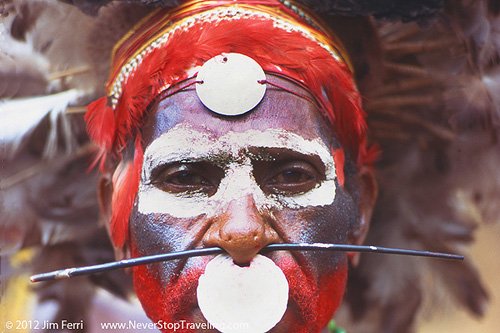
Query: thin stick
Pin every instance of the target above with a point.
(360, 248)
(394, 34)
(71, 272)
(405, 86)
(406, 69)
(76, 109)
(69, 72)
(419, 46)
(408, 118)
(396, 102)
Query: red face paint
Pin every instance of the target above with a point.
(170, 303)
(339, 158)
(312, 301)
(316, 299)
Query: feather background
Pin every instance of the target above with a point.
(431, 88)
(48, 198)
(435, 116)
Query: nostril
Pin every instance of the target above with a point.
(245, 264)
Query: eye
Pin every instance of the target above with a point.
(187, 178)
(291, 178)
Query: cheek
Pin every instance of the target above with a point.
(169, 301)
(316, 297)
(332, 288)
(325, 271)
(160, 233)
(154, 233)
(321, 224)
(167, 291)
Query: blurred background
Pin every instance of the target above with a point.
(484, 253)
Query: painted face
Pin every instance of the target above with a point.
(241, 183)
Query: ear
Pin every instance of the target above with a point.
(368, 191)
(105, 196)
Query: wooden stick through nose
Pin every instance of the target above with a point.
(94, 269)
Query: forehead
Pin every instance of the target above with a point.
(286, 110)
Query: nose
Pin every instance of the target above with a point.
(241, 230)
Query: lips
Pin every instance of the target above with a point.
(310, 307)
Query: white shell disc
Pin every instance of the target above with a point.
(229, 84)
(237, 299)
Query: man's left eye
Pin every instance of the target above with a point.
(291, 178)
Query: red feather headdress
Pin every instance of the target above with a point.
(168, 47)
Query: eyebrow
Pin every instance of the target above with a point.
(282, 155)
(183, 143)
(178, 144)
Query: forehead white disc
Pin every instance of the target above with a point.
(229, 84)
(238, 299)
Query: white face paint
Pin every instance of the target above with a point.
(184, 144)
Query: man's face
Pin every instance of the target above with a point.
(241, 183)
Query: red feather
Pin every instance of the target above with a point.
(125, 186)
(276, 50)
(100, 121)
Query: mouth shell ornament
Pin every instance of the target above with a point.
(235, 299)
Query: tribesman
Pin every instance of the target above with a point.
(237, 125)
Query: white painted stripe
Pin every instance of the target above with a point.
(183, 143)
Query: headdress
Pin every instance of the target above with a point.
(429, 88)
(168, 47)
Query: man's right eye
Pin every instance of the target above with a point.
(187, 178)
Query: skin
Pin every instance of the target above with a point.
(241, 225)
